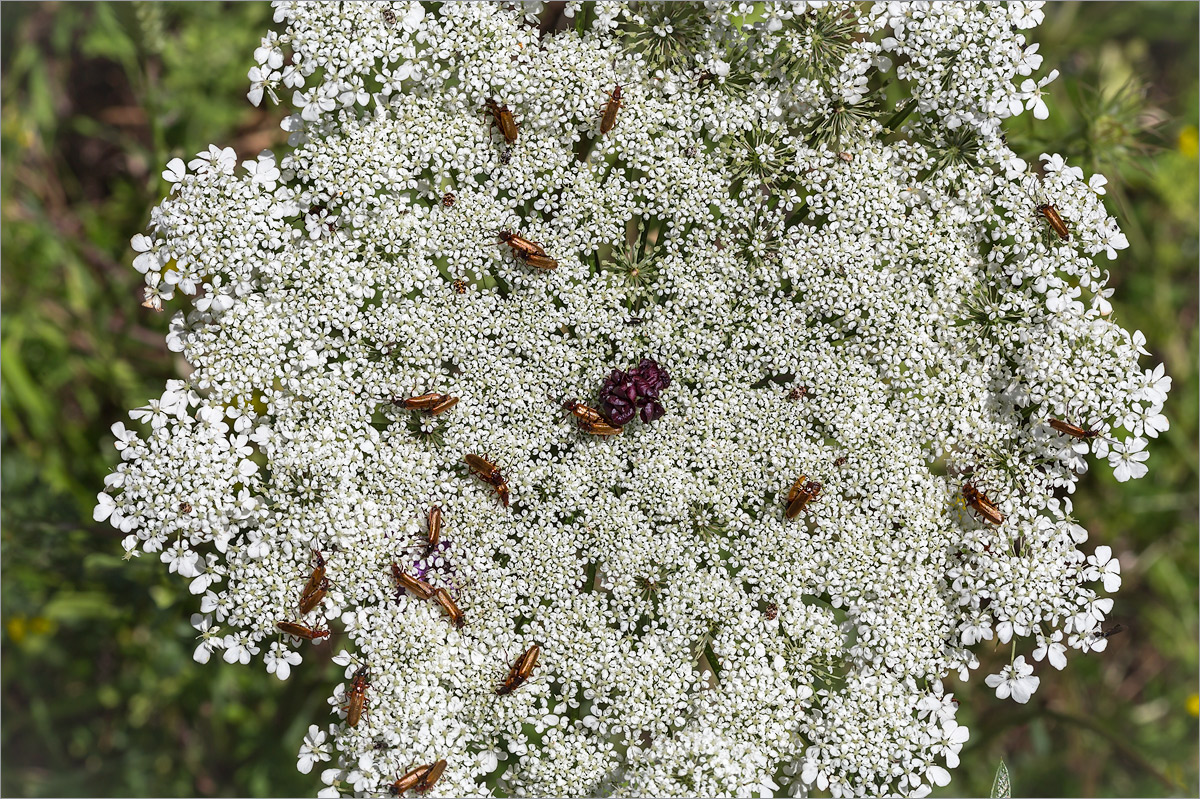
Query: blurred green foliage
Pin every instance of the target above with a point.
(100, 694)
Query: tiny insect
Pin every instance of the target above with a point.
(150, 299)
(488, 473)
(611, 108)
(984, 506)
(316, 587)
(520, 671)
(434, 520)
(847, 157)
(420, 779)
(414, 585)
(503, 119)
(460, 286)
(389, 17)
(506, 156)
(797, 393)
(591, 420)
(840, 461)
(301, 631)
(358, 697)
(689, 152)
(1068, 429)
(185, 507)
(801, 493)
(634, 320)
(443, 598)
(1109, 633)
(448, 199)
(1056, 221)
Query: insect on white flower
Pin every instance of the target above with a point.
(759, 271)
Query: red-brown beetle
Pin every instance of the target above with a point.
(801, 493)
(609, 118)
(434, 519)
(503, 119)
(982, 505)
(357, 702)
(301, 631)
(420, 779)
(1075, 431)
(488, 473)
(1056, 221)
(591, 420)
(443, 598)
(520, 671)
(316, 587)
(421, 403)
(528, 251)
(414, 585)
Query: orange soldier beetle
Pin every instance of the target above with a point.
(591, 420)
(610, 110)
(300, 631)
(801, 493)
(503, 119)
(316, 587)
(1068, 429)
(528, 251)
(414, 585)
(443, 598)
(420, 779)
(520, 671)
(488, 473)
(434, 519)
(357, 702)
(1056, 221)
(982, 505)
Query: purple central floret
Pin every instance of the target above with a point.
(636, 391)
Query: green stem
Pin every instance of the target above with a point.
(711, 657)
(897, 119)
(1118, 743)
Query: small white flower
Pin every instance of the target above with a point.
(1127, 459)
(1033, 93)
(175, 172)
(279, 660)
(1015, 681)
(1053, 648)
(1106, 568)
(313, 750)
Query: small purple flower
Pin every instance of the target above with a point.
(636, 391)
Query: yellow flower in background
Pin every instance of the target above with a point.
(21, 627)
(1193, 705)
(1189, 145)
(16, 629)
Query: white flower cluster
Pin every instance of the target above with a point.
(886, 300)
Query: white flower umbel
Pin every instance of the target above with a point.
(885, 299)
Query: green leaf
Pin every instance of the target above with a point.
(1001, 787)
(74, 606)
